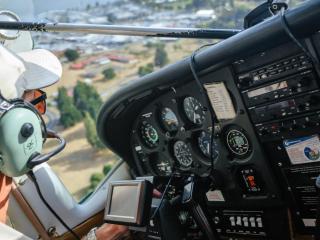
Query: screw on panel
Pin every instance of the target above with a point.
(52, 232)
(279, 164)
(22, 181)
(289, 189)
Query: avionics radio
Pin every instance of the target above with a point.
(289, 102)
(288, 86)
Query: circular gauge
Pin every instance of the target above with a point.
(182, 153)
(238, 142)
(161, 165)
(204, 142)
(193, 110)
(149, 134)
(169, 120)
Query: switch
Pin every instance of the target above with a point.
(232, 221)
(259, 222)
(239, 223)
(151, 223)
(252, 222)
(245, 221)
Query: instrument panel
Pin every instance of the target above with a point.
(174, 134)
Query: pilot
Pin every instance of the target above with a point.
(22, 75)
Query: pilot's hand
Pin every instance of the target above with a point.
(112, 232)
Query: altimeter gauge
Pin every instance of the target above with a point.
(194, 110)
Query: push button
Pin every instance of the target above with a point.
(252, 222)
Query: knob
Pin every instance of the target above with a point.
(26, 130)
(245, 82)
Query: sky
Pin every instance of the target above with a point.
(31, 7)
(44, 5)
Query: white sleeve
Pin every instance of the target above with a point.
(9, 233)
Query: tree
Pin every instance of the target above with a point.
(71, 54)
(69, 114)
(143, 70)
(87, 99)
(107, 168)
(109, 73)
(91, 132)
(161, 57)
(95, 179)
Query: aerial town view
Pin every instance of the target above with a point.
(160, 119)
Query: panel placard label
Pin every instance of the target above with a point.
(220, 100)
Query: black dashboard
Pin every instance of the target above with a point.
(173, 134)
(262, 159)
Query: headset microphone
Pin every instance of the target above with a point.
(22, 134)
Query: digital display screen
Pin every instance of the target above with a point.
(239, 141)
(276, 106)
(267, 89)
(129, 202)
(124, 201)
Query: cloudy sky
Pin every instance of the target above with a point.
(31, 7)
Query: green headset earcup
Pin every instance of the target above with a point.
(20, 138)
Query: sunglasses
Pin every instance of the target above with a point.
(39, 101)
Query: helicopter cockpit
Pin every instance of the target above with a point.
(227, 137)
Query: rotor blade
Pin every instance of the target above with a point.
(121, 30)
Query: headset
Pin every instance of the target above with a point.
(22, 135)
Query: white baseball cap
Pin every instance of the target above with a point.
(28, 70)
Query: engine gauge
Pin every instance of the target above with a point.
(194, 110)
(238, 142)
(169, 120)
(161, 164)
(204, 142)
(149, 134)
(182, 153)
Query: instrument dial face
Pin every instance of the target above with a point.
(194, 110)
(149, 134)
(182, 153)
(204, 142)
(162, 166)
(237, 142)
(169, 120)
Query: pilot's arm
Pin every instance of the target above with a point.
(5, 188)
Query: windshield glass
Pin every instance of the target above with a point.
(95, 66)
